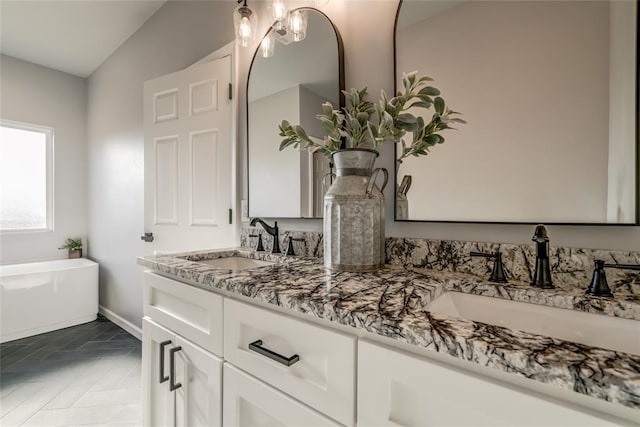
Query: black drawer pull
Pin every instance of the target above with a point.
(172, 369)
(163, 344)
(286, 361)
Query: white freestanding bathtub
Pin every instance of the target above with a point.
(43, 296)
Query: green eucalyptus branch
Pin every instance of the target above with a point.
(364, 124)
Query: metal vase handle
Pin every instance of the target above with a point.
(374, 176)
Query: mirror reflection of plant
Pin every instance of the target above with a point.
(363, 124)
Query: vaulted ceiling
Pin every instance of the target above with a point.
(70, 36)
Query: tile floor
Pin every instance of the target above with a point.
(84, 375)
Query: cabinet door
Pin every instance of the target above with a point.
(396, 388)
(251, 403)
(199, 397)
(158, 401)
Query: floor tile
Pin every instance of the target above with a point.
(109, 397)
(83, 375)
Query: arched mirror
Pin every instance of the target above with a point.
(549, 90)
(291, 85)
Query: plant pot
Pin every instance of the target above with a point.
(354, 213)
(75, 253)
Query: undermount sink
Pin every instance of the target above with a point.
(595, 330)
(236, 263)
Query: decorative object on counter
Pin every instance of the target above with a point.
(354, 206)
(542, 273)
(354, 213)
(599, 286)
(273, 231)
(74, 246)
(497, 272)
(290, 250)
(402, 202)
(259, 246)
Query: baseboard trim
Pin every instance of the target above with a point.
(121, 321)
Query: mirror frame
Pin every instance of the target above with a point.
(341, 87)
(637, 151)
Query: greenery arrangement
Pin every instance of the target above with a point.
(72, 244)
(363, 124)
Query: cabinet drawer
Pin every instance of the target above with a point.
(250, 403)
(193, 313)
(324, 375)
(395, 388)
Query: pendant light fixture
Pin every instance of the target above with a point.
(279, 9)
(245, 22)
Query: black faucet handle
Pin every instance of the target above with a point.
(498, 275)
(599, 286)
(290, 250)
(260, 246)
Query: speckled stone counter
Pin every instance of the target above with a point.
(391, 302)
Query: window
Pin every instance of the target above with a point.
(26, 195)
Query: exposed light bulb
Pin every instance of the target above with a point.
(279, 9)
(245, 28)
(268, 45)
(298, 25)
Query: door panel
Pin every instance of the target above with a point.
(189, 150)
(249, 402)
(199, 399)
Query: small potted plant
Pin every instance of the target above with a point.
(74, 246)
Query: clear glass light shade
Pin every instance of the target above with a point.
(245, 22)
(279, 9)
(298, 24)
(268, 45)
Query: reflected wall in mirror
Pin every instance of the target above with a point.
(291, 85)
(549, 91)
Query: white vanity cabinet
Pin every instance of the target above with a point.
(238, 364)
(181, 345)
(249, 402)
(396, 388)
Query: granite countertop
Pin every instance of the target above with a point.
(391, 302)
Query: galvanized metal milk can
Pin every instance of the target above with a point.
(354, 213)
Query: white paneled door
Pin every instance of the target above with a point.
(188, 159)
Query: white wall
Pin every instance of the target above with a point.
(179, 34)
(39, 95)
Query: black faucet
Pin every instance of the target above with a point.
(542, 273)
(497, 272)
(273, 231)
(599, 286)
